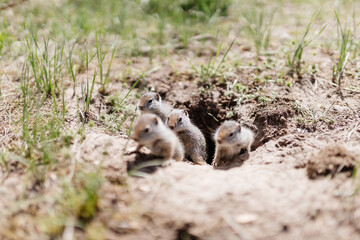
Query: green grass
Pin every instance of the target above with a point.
(136, 24)
(86, 93)
(72, 69)
(101, 55)
(6, 38)
(77, 204)
(41, 136)
(210, 70)
(258, 26)
(119, 106)
(308, 36)
(346, 41)
(193, 10)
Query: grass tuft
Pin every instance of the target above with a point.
(295, 62)
(259, 21)
(101, 54)
(209, 71)
(346, 41)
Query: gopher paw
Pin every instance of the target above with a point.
(131, 150)
(168, 163)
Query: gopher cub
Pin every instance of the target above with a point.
(230, 138)
(151, 132)
(190, 136)
(150, 102)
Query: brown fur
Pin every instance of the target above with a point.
(150, 131)
(190, 136)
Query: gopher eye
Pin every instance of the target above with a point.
(180, 119)
(146, 130)
(150, 101)
(231, 134)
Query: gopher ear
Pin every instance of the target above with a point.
(157, 96)
(186, 113)
(239, 128)
(156, 121)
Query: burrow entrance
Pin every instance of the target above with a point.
(207, 112)
(269, 121)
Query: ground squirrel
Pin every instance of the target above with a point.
(151, 132)
(190, 136)
(150, 102)
(230, 138)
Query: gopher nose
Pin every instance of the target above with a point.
(172, 127)
(141, 107)
(219, 141)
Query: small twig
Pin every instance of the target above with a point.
(310, 84)
(357, 134)
(354, 111)
(324, 80)
(336, 85)
(325, 112)
(353, 130)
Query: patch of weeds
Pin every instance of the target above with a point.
(307, 118)
(258, 26)
(280, 81)
(264, 99)
(76, 205)
(4, 166)
(289, 84)
(46, 67)
(41, 133)
(269, 63)
(240, 88)
(196, 10)
(209, 70)
(356, 178)
(346, 40)
(119, 110)
(314, 69)
(6, 37)
(295, 61)
(88, 16)
(72, 69)
(100, 55)
(86, 93)
(241, 93)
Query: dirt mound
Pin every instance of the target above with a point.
(331, 160)
(102, 149)
(273, 120)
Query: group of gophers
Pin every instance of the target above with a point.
(170, 134)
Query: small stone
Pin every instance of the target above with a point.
(246, 218)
